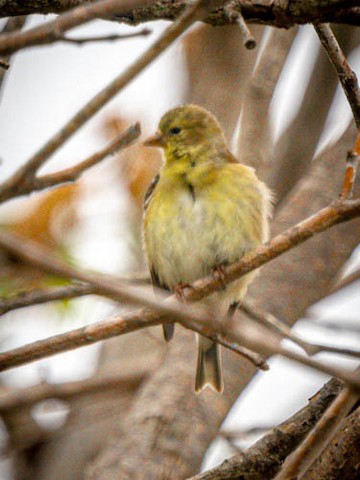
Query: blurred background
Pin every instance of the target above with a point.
(97, 221)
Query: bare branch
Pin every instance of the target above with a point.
(266, 456)
(279, 327)
(236, 16)
(341, 458)
(52, 31)
(276, 13)
(106, 38)
(25, 397)
(25, 180)
(336, 213)
(40, 296)
(193, 13)
(12, 24)
(352, 163)
(311, 448)
(346, 75)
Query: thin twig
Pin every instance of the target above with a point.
(346, 75)
(191, 14)
(266, 456)
(46, 295)
(52, 31)
(236, 16)
(352, 163)
(348, 280)
(279, 327)
(28, 181)
(24, 397)
(309, 450)
(105, 38)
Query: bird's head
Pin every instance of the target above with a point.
(187, 130)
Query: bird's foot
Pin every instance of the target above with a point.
(218, 273)
(179, 291)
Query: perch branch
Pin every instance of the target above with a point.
(267, 455)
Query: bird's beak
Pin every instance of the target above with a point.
(155, 140)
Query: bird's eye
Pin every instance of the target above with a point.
(175, 130)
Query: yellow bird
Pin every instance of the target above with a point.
(204, 210)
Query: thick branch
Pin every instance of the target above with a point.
(276, 12)
(347, 76)
(102, 330)
(341, 458)
(266, 456)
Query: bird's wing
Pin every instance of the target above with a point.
(150, 190)
(168, 328)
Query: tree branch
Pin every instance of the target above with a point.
(193, 13)
(275, 13)
(279, 327)
(105, 38)
(24, 180)
(297, 464)
(346, 75)
(337, 212)
(266, 456)
(52, 31)
(341, 458)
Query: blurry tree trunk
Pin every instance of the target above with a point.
(218, 83)
(169, 428)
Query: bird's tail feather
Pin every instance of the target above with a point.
(208, 371)
(168, 329)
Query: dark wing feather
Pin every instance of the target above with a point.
(168, 328)
(150, 190)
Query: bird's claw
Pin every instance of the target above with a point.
(179, 291)
(218, 273)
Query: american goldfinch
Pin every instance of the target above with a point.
(204, 210)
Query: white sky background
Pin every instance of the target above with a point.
(49, 84)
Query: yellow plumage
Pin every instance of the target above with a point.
(206, 210)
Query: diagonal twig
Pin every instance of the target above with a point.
(28, 181)
(191, 14)
(170, 309)
(347, 76)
